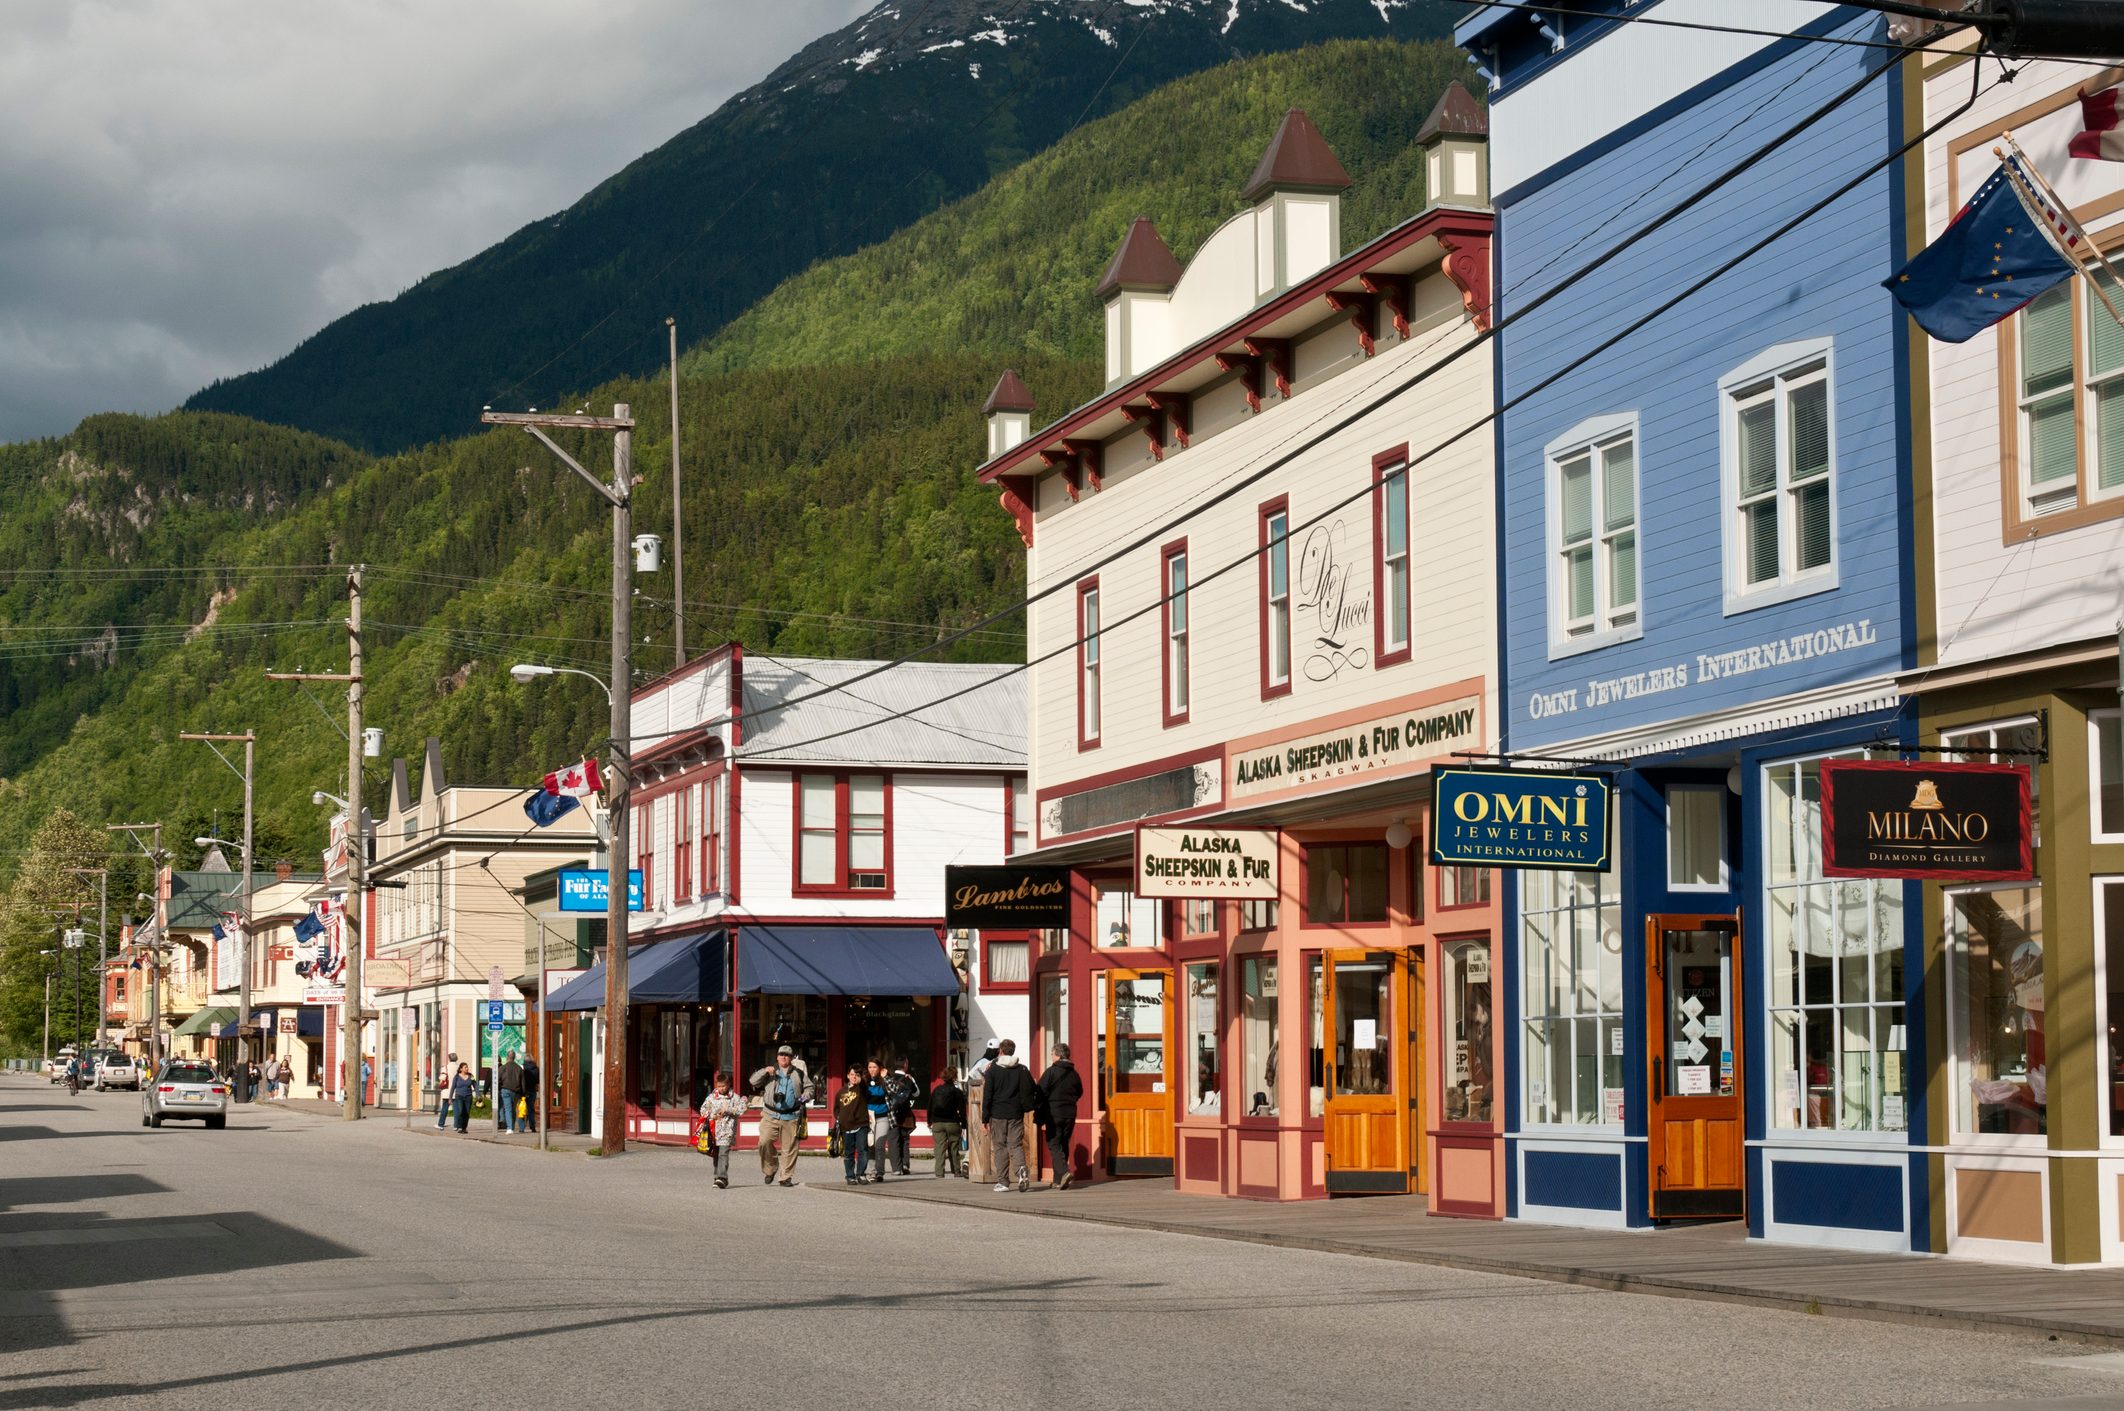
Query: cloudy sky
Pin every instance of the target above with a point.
(188, 188)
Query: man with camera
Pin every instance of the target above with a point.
(784, 1092)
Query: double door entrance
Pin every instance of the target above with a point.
(1692, 1030)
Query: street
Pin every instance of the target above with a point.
(293, 1260)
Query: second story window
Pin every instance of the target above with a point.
(844, 833)
(645, 852)
(1088, 663)
(2068, 432)
(1593, 535)
(1176, 633)
(1018, 800)
(1275, 598)
(1390, 508)
(682, 818)
(1780, 486)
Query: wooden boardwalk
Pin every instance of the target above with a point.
(1707, 1261)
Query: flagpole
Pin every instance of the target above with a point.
(2021, 159)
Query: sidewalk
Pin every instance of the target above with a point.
(424, 1123)
(1705, 1261)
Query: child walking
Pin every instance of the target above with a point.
(722, 1108)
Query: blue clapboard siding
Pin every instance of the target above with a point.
(1823, 280)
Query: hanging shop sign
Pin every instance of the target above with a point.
(1220, 864)
(1006, 898)
(1519, 818)
(1931, 820)
(589, 889)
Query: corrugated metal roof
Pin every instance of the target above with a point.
(868, 723)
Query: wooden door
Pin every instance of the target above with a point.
(1137, 1070)
(1418, 1081)
(1692, 1022)
(1367, 1084)
(560, 1073)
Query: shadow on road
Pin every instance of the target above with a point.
(72, 1190)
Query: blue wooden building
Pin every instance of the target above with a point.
(1706, 571)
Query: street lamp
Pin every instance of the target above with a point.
(525, 672)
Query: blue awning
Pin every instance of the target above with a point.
(691, 970)
(844, 960)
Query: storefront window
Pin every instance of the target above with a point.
(2109, 914)
(2107, 747)
(2006, 742)
(1099, 1006)
(1054, 1015)
(1124, 919)
(1570, 928)
(1203, 1026)
(1364, 1012)
(890, 1028)
(796, 1020)
(675, 1078)
(1463, 886)
(1258, 1032)
(1345, 883)
(1316, 1040)
(1198, 917)
(1470, 1083)
(1995, 1011)
(1837, 1046)
(1257, 915)
(1054, 940)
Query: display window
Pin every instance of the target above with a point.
(1470, 1082)
(1054, 1015)
(1316, 1038)
(1260, 1027)
(889, 1028)
(1571, 939)
(1121, 919)
(1204, 1026)
(1838, 1052)
(796, 1020)
(2109, 994)
(1995, 1012)
(1345, 884)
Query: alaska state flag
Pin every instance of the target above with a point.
(546, 809)
(1994, 257)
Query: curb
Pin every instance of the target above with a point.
(1818, 1305)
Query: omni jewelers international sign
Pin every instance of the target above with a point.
(1519, 818)
(1222, 864)
(1400, 743)
(1933, 821)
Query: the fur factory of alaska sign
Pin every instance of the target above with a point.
(1403, 742)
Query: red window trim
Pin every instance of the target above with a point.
(1179, 923)
(1010, 814)
(711, 838)
(683, 820)
(1305, 855)
(1087, 587)
(993, 986)
(1396, 458)
(1176, 549)
(1444, 905)
(644, 841)
(1280, 505)
(841, 820)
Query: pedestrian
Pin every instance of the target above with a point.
(979, 1151)
(461, 1090)
(1010, 1097)
(442, 1093)
(512, 1083)
(251, 1080)
(722, 1108)
(533, 1092)
(877, 1097)
(1060, 1092)
(784, 1094)
(287, 1080)
(947, 1119)
(905, 1092)
(851, 1122)
(365, 1071)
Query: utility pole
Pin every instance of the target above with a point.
(162, 931)
(350, 1009)
(103, 948)
(620, 495)
(678, 514)
(243, 934)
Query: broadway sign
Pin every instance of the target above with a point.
(1932, 821)
(1519, 818)
(1006, 898)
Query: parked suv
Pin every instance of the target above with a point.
(117, 1070)
(184, 1090)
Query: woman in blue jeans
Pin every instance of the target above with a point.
(851, 1121)
(461, 1097)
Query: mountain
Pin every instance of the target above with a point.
(155, 568)
(914, 105)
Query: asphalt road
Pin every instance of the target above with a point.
(295, 1261)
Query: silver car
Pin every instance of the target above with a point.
(118, 1070)
(185, 1090)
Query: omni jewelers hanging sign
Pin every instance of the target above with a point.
(1221, 864)
(1933, 821)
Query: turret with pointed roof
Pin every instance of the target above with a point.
(1298, 159)
(1144, 263)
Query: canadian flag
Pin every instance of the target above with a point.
(2100, 115)
(577, 781)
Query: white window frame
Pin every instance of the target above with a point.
(2103, 1018)
(1277, 606)
(1957, 1018)
(1783, 366)
(2065, 493)
(2095, 721)
(1591, 437)
(1607, 887)
(1725, 875)
(1396, 570)
(1178, 696)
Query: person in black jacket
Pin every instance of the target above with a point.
(1060, 1092)
(1009, 1098)
(947, 1119)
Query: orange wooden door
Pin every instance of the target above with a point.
(1138, 1089)
(1693, 1011)
(1367, 1110)
(1418, 1080)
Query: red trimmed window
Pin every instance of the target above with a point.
(683, 820)
(1006, 962)
(844, 834)
(1391, 568)
(1463, 886)
(1345, 884)
(1276, 598)
(713, 795)
(645, 852)
(1017, 816)
(1198, 918)
(1088, 701)
(1174, 625)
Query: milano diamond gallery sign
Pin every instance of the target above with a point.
(1934, 821)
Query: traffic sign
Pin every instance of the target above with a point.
(495, 1010)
